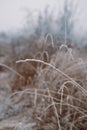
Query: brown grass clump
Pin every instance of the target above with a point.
(28, 71)
(48, 91)
(56, 89)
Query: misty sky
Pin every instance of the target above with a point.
(13, 12)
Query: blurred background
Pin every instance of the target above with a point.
(63, 19)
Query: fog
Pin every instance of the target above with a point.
(14, 13)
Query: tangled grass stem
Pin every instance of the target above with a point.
(58, 70)
(12, 70)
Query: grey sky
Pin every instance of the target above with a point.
(13, 12)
